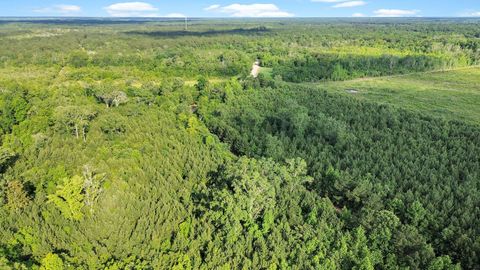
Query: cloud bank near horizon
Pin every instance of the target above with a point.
(360, 8)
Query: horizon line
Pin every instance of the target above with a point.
(233, 18)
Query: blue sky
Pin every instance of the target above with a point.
(239, 8)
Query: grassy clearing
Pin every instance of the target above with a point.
(449, 94)
(266, 71)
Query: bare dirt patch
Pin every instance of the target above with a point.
(255, 69)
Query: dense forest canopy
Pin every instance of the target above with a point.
(133, 144)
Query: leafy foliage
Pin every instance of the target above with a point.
(69, 198)
(128, 145)
(368, 157)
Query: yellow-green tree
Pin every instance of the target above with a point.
(68, 197)
(52, 262)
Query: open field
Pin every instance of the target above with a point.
(454, 95)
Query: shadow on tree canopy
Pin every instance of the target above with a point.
(238, 31)
(7, 158)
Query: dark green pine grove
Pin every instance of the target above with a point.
(138, 146)
(369, 159)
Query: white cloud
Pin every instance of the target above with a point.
(212, 7)
(342, 3)
(60, 9)
(329, 1)
(395, 12)
(469, 13)
(251, 10)
(175, 15)
(350, 4)
(132, 9)
(358, 15)
(68, 8)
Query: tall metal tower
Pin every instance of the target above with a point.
(186, 23)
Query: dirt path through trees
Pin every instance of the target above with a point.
(255, 69)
